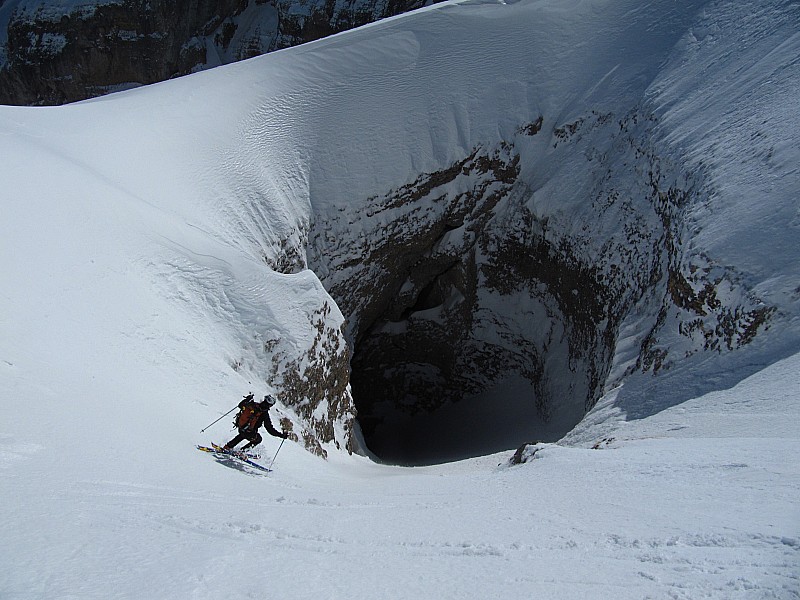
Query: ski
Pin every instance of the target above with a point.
(234, 452)
(237, 454)
(222, 450)
(250, 455)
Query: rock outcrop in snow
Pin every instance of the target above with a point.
(319, 379)
(458, 281)
(55, 53)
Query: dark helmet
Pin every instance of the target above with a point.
(269, 400)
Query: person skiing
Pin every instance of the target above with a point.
(252, 415)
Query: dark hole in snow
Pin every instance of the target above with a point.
(476, 325)
(471, 353)
(429, 389)
(397, 431)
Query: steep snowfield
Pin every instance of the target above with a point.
(137, 305)
(699, 501)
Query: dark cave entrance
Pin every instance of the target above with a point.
(470, 357)
(427, 393)
(474, 327)
(499, 419)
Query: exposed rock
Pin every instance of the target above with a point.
(307, 20)
(455, 282)
(524, 453)
(55, 55)
(319, 378)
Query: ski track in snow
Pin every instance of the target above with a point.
(307, 540)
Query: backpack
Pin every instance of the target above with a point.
(248, 417)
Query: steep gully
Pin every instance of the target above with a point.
(484, 313)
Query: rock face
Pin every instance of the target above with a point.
(54, 55)
(303, 21)
(318, 377)
(458, 282)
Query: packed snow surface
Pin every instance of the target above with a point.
(697, 501)
(136, 306)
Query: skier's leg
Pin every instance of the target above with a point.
(236, 440)
(255, 440)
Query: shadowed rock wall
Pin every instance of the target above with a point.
(54, 55)
(484, 313)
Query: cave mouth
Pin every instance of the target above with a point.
(423, 398)
(458, 359)
(498, 419)
(481, 353)
(475, 323)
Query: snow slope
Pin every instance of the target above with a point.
(137, 305)
(699, 501)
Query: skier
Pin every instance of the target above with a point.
(250, 418)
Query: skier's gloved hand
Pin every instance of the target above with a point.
(285, 435)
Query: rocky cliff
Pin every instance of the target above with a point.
(469, 277)
(53, 53)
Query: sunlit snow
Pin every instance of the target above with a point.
(136, 306)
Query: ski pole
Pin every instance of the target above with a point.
(276, 453)
(223, 416)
